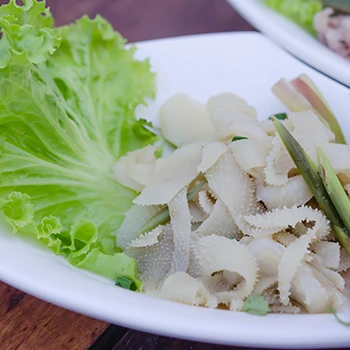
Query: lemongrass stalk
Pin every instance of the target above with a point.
(309, 172)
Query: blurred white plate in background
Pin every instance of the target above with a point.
(294, 39)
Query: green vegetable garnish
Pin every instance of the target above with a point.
(334, 312)
(309, 172)
(163, 216)
(237, 138)
(256, 304)
(68, 97)
(300, 11)
(125, 283)
(279, 116)
(334, 188)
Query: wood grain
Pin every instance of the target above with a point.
(27, 323)
(145, 341)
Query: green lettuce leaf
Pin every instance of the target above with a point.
(299, 11)
(67, 112)
(111, 266)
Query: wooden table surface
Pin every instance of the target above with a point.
(27, 323)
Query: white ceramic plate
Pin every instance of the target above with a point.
(247, 64)
(294, 39)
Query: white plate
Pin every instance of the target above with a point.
(294, 39)
(247, 64)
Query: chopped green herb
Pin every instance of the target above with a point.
(279, 116)
(334, 312)
(237, 138)
(125, 283)
(256, 304)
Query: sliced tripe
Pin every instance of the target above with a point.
(278, 219)
(135, 218)
(221, 281)
(264, 282)
(335, 294)
(308, 291)
(251, 153)
(249, 130)
(180, 220)
(216, 254)
(339, 157)
(219, 222)
(236, 190)
(183, 288)
(210, 154)
(154, 261)
(329, 278)
(171, 175)
(134, 169)
(258, 174)
(205, 202)
(183, 121)
(284, 237)
(198, 215)
(278, 164)
(294, 192)
(236, 305)
(147, 239)
(296, 251)
(268, 127)
(310, 132)
(329, 252)
(227, 109)
(271, 296)
(230, 107)
(344, 260)
(268, 254)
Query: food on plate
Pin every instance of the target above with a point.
(328, 19)
(251, 214)
(243, 214)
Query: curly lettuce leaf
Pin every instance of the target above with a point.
(110, 266)
(300, 11)
(27, 33)
(67, 112)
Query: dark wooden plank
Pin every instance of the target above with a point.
(28, 323)
(107, 340)
(145, 341)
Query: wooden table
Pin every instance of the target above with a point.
(27, 323)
